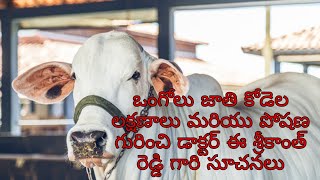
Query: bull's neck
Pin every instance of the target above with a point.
(131, 155)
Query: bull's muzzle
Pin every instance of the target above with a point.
(88, 147)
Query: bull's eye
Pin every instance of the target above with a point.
(73, 76)
(136, 75)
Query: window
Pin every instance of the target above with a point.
(217, 36)
(229, 42)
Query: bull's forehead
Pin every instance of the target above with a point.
(104, 64)
(105, 53)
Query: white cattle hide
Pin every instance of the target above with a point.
(103, 66)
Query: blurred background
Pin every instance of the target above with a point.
(234, 41)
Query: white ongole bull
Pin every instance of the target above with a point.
(113, 66)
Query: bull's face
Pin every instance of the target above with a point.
(110, 65)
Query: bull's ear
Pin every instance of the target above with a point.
(166, 75)
(46, 83)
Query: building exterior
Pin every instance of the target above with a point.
(301, 47)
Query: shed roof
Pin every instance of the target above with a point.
(44, 46)
(304, 42)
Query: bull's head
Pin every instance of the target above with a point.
(109, 65)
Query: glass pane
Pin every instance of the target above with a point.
(291, 67)
(314, 70)
(232, 41)
(213, 41)
(37, 47)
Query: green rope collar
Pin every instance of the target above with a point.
(93, 100)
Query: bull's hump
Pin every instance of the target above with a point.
(111, 35)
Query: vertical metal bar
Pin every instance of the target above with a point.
(277, 65)
(10, 106)
(68, 108)
(305, 68)
(32, 107)
(166, 42)
(50, 110)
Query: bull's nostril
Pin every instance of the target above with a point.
(101, 141)
(77, 136)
